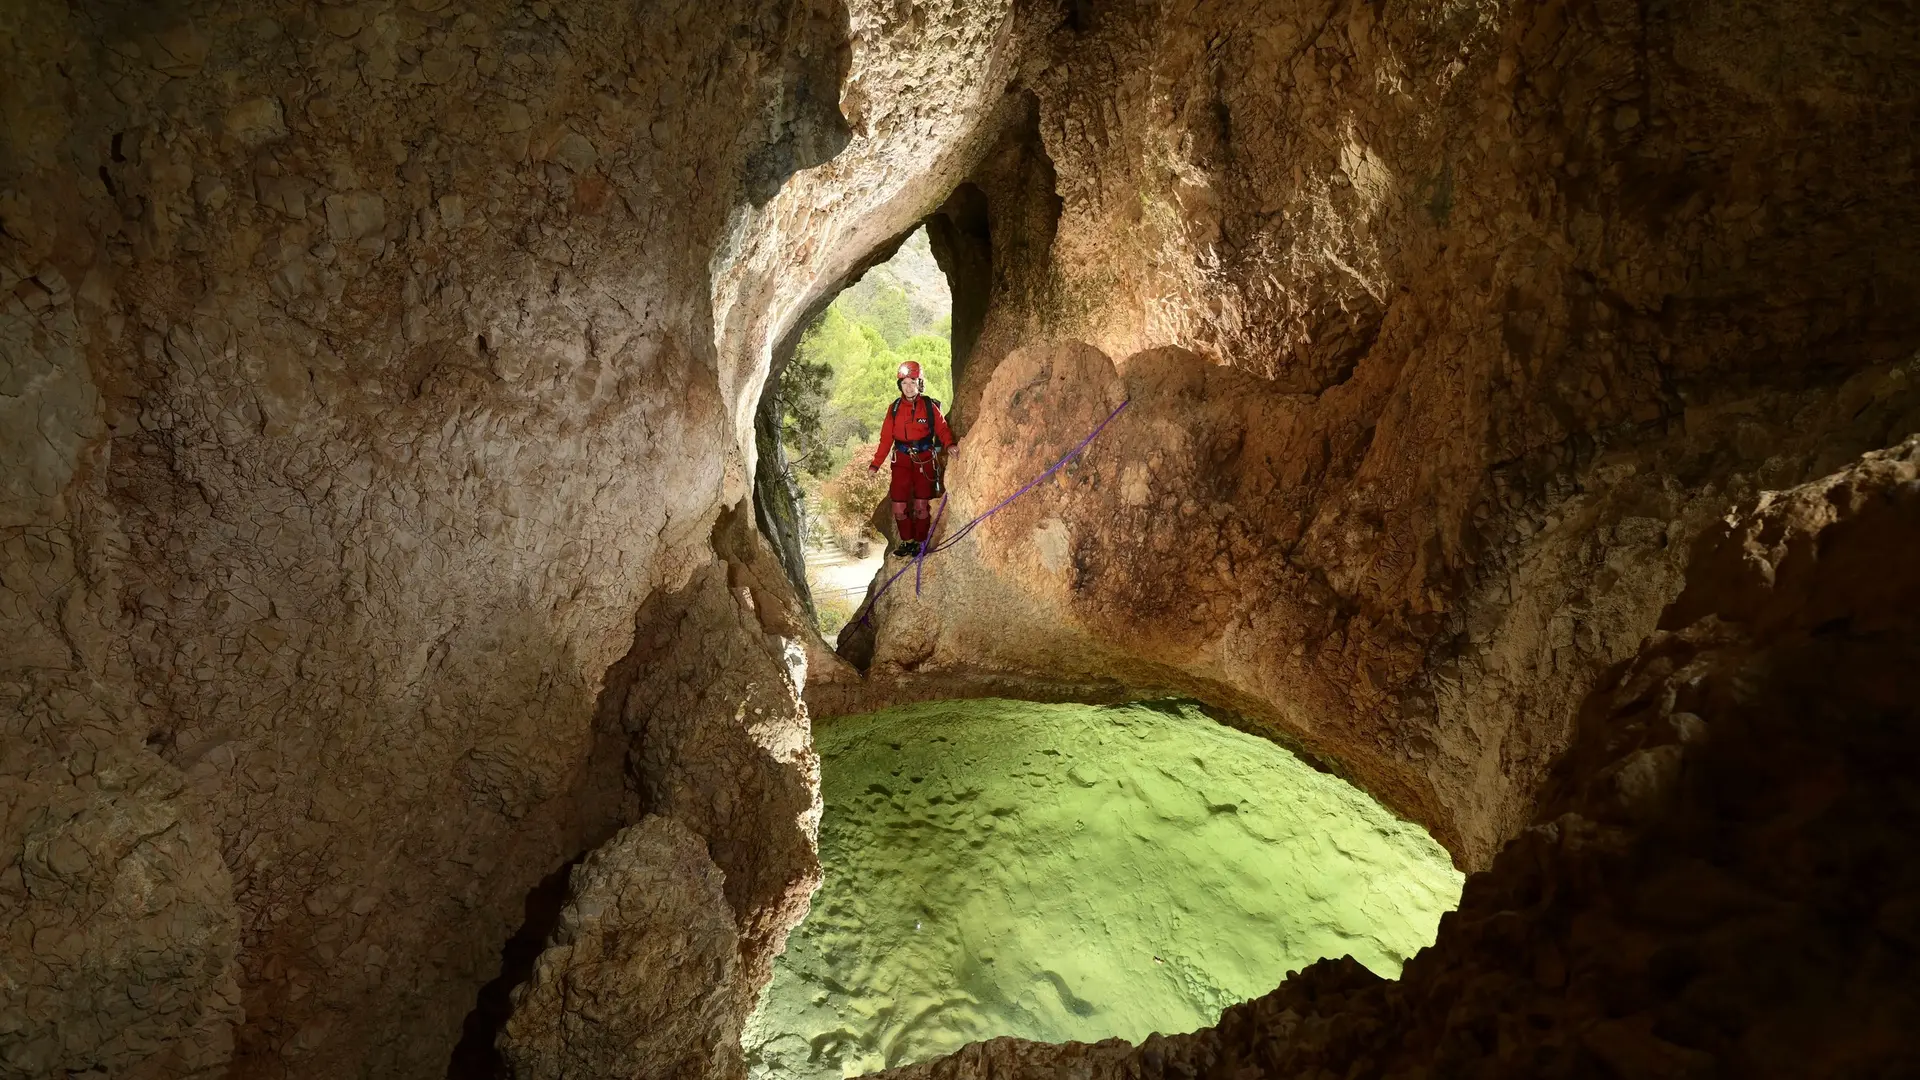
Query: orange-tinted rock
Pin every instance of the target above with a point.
(1719, 880)
(1444, 337)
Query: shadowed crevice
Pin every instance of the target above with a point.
(961, 235)
(475, 1056)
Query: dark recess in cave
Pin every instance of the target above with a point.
(474, 1056)
(961, 235)
(806, 127)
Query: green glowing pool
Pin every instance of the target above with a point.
(1066, 872)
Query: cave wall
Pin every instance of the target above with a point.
(368, 367)
(1445, 330)
(377, 423)
(367, 433)
(1720, 877)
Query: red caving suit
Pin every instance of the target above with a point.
(909, 430)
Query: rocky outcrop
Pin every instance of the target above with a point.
(707, 704)
(669, 930)
(1720, 880)
(1444, 336)
(367, 367)
(642, 977)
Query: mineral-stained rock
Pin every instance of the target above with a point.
(639, 979)
(708, 703)
(1444, 333)
(118, 893)
(1722, 876)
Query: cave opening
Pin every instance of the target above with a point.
(831, 381)
(1063, 872)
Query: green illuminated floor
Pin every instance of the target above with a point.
(1069, 872)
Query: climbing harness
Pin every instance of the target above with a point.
(866, 614)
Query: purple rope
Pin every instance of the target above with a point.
(867, 611)
(920, 556)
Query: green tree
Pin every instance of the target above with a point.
(815, 425)
(836, 340)
(802, 400)
(863, 384)
(882, 305)
(837, 387)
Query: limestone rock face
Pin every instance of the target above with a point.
(375, 377)
(707, 704)
(364, 369)
(1719, 881)
(120, 918)
(640, 978)
(1444, 334)
(366, 437)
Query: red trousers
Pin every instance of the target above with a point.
(910, 491)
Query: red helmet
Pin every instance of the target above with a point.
(908, 369)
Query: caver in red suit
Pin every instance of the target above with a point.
(914, 429)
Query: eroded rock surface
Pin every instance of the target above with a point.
(1721, 879)
(642, 977)
(1445, 331)
(717, 738)
(375, 375)
(120, 917)
(366, 370)
(365, 441)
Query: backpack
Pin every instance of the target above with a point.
(931, 437)
(895, 407)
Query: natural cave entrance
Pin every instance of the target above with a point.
(833, 392)
(1074, 872)
(921, 297)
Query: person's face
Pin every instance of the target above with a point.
(910, 388)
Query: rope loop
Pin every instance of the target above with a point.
(866, 610)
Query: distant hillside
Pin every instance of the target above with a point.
(913, 271)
